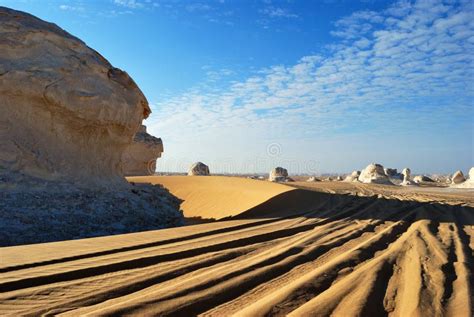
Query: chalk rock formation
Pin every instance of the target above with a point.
(140, 157)
(458, 177)
(354, 177)
(313, 179)
(422, 179)
(198, 169)
(66, 117)
(67, 113)
(374, 173)
(468, 183)
(278, 174)
(406, 177)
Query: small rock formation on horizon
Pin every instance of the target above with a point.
(66, 117)
(406, 172)
(353, 177)
(313, 179)
(469, 182)
(278, 174)
(374, 173)
(458, 177)
(422, 179)
(139, 158)
(199, 169)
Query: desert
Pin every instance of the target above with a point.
(223, 201)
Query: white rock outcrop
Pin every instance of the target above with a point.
(199, 169)
(374, 173)
(406, 172)
(139, 158)
(313, 179)
(469, 182)
(278, 174)
(419, 179)
(353, 177)
(458, 177)
(66, 117)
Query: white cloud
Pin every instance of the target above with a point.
(276, 12)
(407, 69)
(132, 4)
(66, 7)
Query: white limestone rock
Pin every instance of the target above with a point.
(374, 173)
(198, 169)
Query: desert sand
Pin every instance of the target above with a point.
(315, 249)
(215, 197)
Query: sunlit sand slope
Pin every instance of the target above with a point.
(336, 254)
(215, 196)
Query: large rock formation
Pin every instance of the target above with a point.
(374, 173)
(199, 169)
(278, 174)
(66, 117)
(66, 112)
(140, 157)
(458, 177)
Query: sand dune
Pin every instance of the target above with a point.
(341, 250)
(215, 196)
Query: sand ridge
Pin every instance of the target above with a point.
(346, 250)
(216, 197)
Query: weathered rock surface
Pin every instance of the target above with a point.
(66, 113)
(199, 169)
(422, 179)
(374, 173)
(468, 183)
(313, 179)
(140, 157)
(278, 174)
(407, 177)
(66, 117)
(458, 177)
(354, 177)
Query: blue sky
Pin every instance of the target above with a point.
(314, 86)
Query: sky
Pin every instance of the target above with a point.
(313, 86)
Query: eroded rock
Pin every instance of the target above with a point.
(374, 173)
(458, 177)
(66, 117)
(199, 169)
(139, 158)
(278, 174)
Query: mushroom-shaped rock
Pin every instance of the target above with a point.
(198, 169)
(278, 174)
(458, 177)
(66, 113)
(406, 177)
(406, 174)
(140, 157)
(374, 173)
(66, 117)
(353, 177)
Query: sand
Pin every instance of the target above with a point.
(215, 197)
(330, 248)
